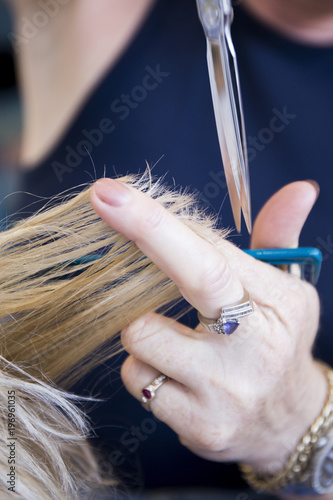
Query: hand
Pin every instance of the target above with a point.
(247, 397)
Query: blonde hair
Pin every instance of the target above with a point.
(68, 285)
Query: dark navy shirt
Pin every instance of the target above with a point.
(155, 106)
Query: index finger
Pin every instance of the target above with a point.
(200, 271)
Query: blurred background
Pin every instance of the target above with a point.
(10, 113)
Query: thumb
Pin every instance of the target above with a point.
(280, 221)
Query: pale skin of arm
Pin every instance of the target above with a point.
(58, 68)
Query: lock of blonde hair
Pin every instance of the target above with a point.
(68, 285)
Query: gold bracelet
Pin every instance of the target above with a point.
(295, 469)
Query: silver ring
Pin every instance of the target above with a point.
(228, 322)
(148, 392)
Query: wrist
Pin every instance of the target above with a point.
(308, 470)
(290, 416)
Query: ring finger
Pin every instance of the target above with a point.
(170, 399)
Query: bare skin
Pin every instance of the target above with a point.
(306, 21)
(59, 66)
(249, 397)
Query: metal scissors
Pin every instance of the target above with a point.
(216, 17)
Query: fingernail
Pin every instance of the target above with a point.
(112, 192)
(315, 185)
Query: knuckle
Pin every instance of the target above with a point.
(126, 371)
(312, 297)
(296, 307)
(152, 220)
(205, 441)
(212, 439)
(133, 333)
(183, 441)
(206, 434)
(305, 308)
(215, 276)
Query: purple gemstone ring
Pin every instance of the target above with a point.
(148, 393)
(228, 322)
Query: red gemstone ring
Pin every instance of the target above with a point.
(148, 393)
(228, 322)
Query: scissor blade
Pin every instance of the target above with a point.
(237, 104)
(246, 202)
(216, 17)
(225, 128)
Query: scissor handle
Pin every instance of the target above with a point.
(210, 14)
(309, 260)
